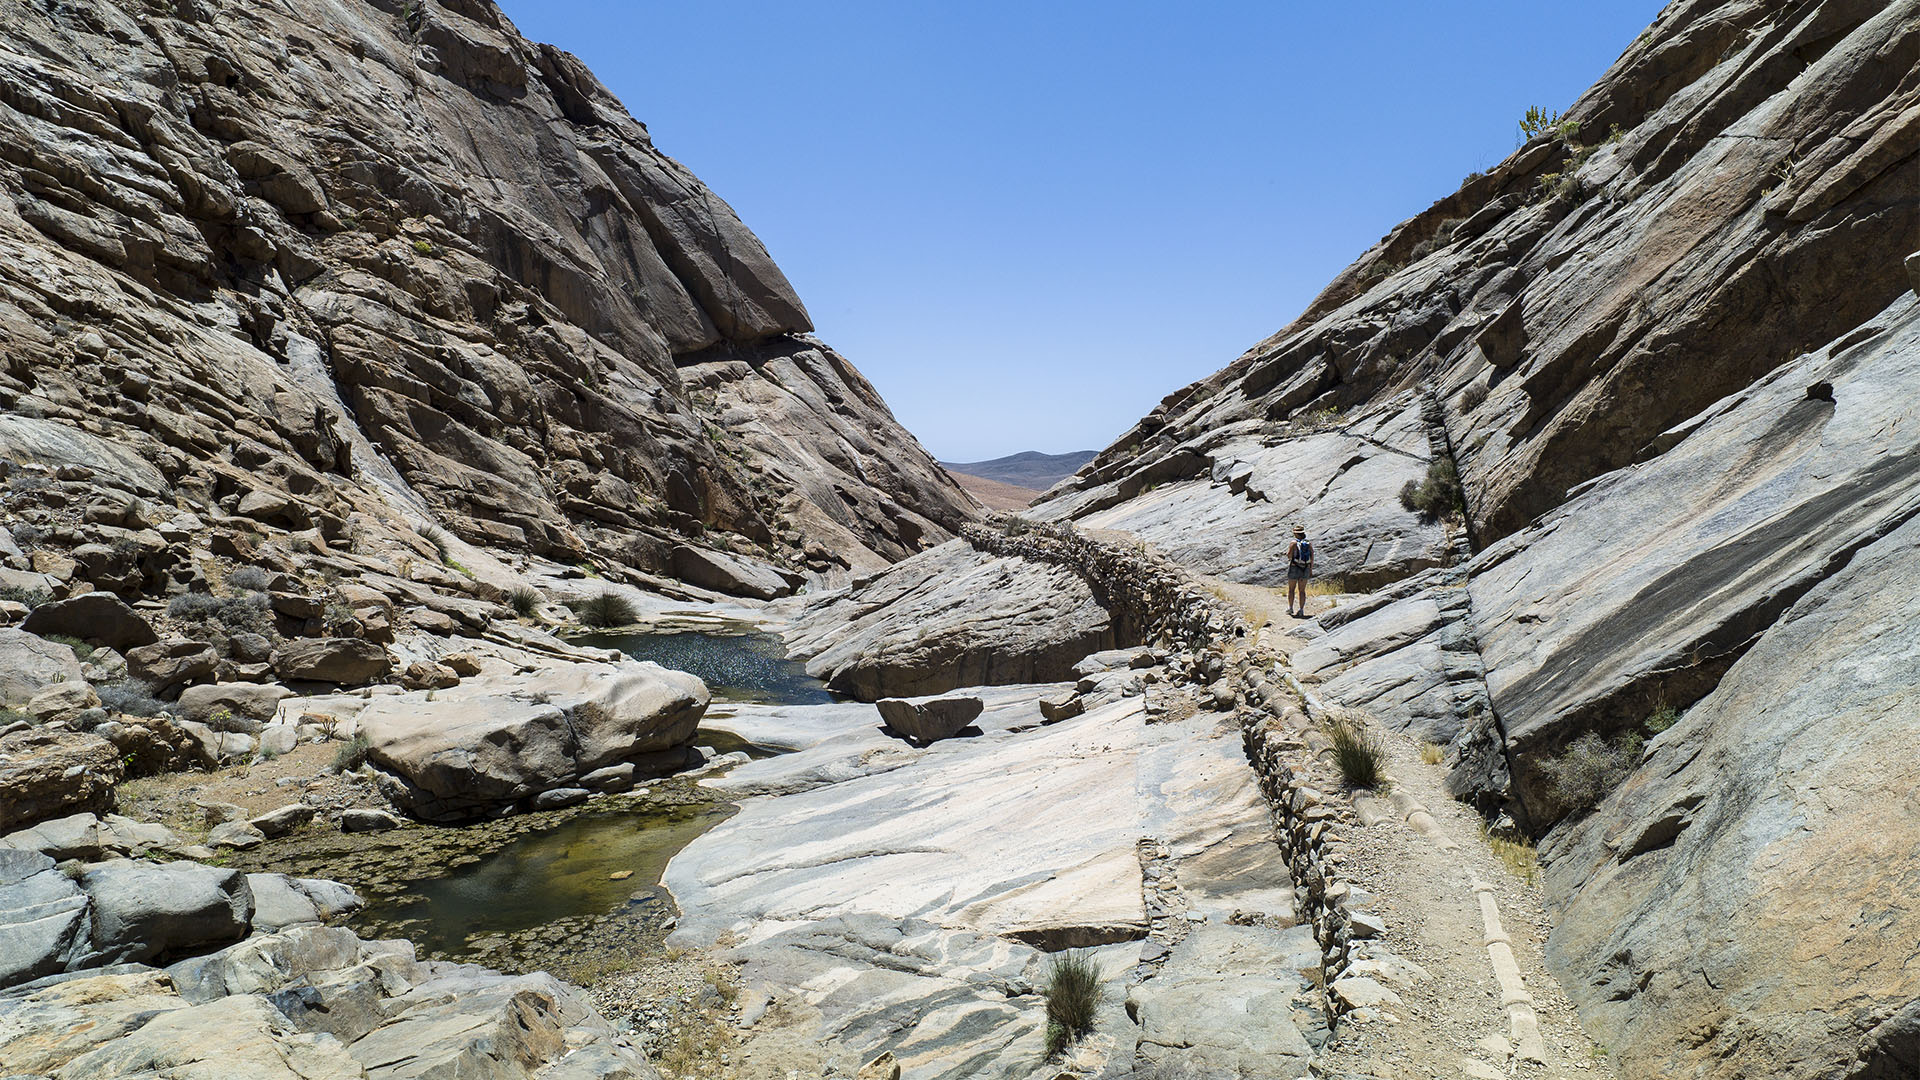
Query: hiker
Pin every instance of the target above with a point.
(1299, 570)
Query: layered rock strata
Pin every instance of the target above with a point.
(355, 267)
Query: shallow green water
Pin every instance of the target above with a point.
(746, 666)
(543, 877)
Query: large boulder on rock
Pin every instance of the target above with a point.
(30, 663)
(50, 774)
(255, 701)
(730, 574)
(345, 661)
(97, 616)
(149, 911)
(494, 742)
(930, 719)
(948, 618)
(170, 666)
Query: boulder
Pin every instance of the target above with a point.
(358, 821)
(930, 719)
(280, 902)
(346, 661)
(493, 742)
(1063, 706)
(428, 675)
(49, 774)
(280, 822)
(30, 663)
(62, 701)
(98, 617)
(948, 618)
(146, 911)
(254, 701)
(170, 666)
(729, 574)
(237, 835)
(43, 917)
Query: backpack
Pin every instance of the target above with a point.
(1302, 553)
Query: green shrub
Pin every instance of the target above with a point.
(13, 716)
(1356, 752)
(32, 598)
(1589, 768)
(605, 610)
(1663, 717)
(524, 601)
(249, 579)
(1538, 122)
(130, 697)
(352, 754)
(81, 650)
(440, 540)
(1439, 495)
(1073, 996)
(247, 614)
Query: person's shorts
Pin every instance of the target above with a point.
(1298, 573)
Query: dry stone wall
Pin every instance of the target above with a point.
(1161, 603)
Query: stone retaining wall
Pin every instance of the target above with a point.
(1160, 602)
(1150, 598)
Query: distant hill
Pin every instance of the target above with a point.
(993, 494)
(1031, 469)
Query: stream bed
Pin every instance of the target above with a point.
(573, 891)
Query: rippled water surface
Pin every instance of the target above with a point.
(591, 865)
(746, 666)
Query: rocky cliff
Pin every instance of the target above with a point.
(360, 265)
(1668, 348)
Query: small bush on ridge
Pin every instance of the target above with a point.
(1356, 752)
(1590, 768)
(249, 579)
(605, 610)
(130, 697)
(1439, 495)
(32, 598)
(352, 754)
(524, 601)
(1073, 996)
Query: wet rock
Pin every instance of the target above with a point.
(361, 821)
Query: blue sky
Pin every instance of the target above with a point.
(1028, 223)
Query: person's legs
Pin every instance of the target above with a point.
(1296, 595)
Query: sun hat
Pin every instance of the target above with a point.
(1299, 530)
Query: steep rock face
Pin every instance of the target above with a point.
(1594, 289)
(381, 258)
(1747, 904)
(1670, 345)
